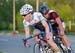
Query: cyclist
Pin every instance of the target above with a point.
(39, 23)
(56, 22)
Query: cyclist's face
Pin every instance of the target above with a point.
(46, 15)
(27, 17)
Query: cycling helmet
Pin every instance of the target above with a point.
(44, 9)
(25, 9)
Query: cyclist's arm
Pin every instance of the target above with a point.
(59, 24)
(27, 32)
(26, 29)
(44, 23)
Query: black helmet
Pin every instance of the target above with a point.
(44, 9)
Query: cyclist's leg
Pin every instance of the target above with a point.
(36, 32)
(50, 41)
(65, 41)
(64, 38)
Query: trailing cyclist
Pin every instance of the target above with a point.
(56, 22)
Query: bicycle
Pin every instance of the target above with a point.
(42, 48)
(57, 39)
(45, 48)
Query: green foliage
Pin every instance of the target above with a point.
(1, 52)
(5, 14)
(19, 23)
(65, 8)
(10, 26)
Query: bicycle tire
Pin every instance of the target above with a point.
(38, 49)
(41, 49)
(59, 43)
(72, 51)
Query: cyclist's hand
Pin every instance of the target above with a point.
(27, 44)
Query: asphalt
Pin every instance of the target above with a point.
(14, 44)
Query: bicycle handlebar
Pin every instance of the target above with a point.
(31, 37)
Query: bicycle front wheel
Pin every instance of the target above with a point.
(39, 49)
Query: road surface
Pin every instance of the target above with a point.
(14, 44)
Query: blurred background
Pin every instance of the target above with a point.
(10, 19)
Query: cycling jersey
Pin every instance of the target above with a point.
(37, 18)
(52, 16)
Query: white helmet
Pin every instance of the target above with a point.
(25, 9)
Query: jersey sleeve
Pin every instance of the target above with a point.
(54, 15)
(38, 16)
(41, 17)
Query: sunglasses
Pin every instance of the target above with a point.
(27, 14)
